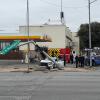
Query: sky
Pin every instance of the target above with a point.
(13, 13)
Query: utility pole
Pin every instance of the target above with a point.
(28, 34)
(89, 7)
(63, 23)
(90, 45)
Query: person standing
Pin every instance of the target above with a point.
(74, 56)
(81, 61)
(64, 60)
(71, 58)
(77, 61)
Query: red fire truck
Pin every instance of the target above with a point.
(60, 52)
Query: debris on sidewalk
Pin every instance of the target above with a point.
(14, 69)
(43, 68)
(68, 69)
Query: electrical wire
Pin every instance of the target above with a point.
(57, 5)
(93, 1)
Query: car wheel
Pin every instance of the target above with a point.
(48, 67)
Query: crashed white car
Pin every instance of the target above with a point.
(49, 64)
(46, 62)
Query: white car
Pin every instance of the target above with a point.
(49, 64)
(46, 63)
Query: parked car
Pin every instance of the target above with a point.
(95, 60)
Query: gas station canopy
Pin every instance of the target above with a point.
(25, 38)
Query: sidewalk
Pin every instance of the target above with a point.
(16, 66)
(72, 67)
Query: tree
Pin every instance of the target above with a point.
(83, 34)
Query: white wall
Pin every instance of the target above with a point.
(68, 33)
(56, 32)
(76, 42)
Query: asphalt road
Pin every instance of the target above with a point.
(50, 86)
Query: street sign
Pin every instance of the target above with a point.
(10, 47)
(88, 49)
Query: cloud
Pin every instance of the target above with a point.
(13, 12)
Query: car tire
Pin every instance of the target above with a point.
(47, 67)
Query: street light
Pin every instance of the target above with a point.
(90, 45)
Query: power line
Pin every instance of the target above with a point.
(93, 1)
(58, 5)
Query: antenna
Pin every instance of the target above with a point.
(62, 15)
(61, 5)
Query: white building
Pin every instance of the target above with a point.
(75, 43)
(60, 34)
(63, 40)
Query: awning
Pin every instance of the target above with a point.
(25, 38)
